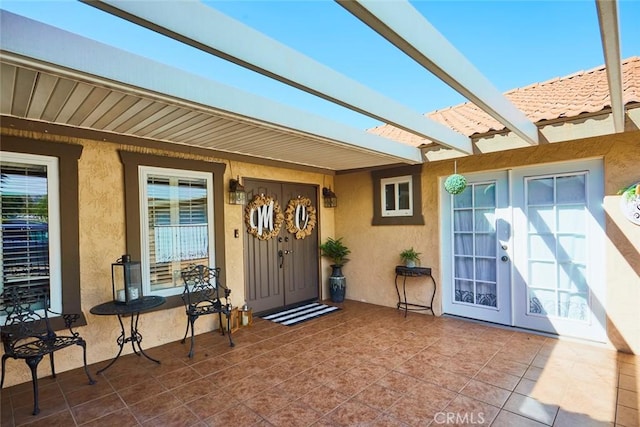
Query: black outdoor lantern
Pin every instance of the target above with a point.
(237, 195)
(126, 280)
(329, 197)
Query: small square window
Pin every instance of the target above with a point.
(397, 197)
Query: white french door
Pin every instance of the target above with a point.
(559, 284)
(475, 241)
(525, 248)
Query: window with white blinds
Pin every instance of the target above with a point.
(177, 225)
(30, 223)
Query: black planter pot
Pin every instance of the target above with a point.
(337, 284)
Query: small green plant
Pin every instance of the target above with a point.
(335, 250)
(410, 255)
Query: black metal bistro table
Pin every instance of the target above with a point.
(404, 272)
(133, 310)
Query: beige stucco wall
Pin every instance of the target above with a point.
(102, 241)
(375, 249)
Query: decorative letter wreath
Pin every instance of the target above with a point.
(455, 184)
(269, 217)
(300, 217)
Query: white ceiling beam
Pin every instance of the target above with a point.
(40, 46)
(205, 28)
(610, 35)
(403, 26)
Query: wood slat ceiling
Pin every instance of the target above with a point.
(45, 97)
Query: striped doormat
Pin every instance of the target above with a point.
(301, 314)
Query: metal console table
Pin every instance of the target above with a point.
(404, 272)
(133, 310)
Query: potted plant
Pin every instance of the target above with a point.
(337, 252)
(410, 257)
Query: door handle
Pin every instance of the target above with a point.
(281, 256)
(504, 258)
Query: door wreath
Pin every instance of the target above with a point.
(263, 217)
(300, 217)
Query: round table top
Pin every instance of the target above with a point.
(112, 308)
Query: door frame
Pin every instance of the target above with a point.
(596, 329)
(285, 242)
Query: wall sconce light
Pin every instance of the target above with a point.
(126, 280)
(237, 195)
(329, 197)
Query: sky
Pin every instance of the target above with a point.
(513, 43)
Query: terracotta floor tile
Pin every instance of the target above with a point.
(378, 397)
(323, 399)
(448, 380)
(59, 419)
(177, 417)
(84, 393)
(470, 411)
(268, 402)
(509, 419)
(547, 392)
(97, 408)
(354, 413)
(237, 415)
(531, 408)
(486, 393)
(366, 364)
(119, 418)
(627, 417)
(207, 406)
(411, 410)
(154, 406)
(628, 398)
(189, 391)
(498, 378)
(296, 414)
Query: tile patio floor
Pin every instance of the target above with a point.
(365, 365)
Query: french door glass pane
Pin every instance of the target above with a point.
(475, 245)
(557, 245)
(487, 294)
(540, 191)
(541, 219)
(463, 243)
(542, 247)
(571, 189)
(463, 220)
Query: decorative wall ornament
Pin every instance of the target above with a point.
(300, 217)
(630, 202)
(263, 217)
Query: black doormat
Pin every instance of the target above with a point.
(301, 314)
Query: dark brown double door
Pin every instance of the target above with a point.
(280, 271)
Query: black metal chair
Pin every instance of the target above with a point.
(27, 333)
(203, 295)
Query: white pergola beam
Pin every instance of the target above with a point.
(610, 35)
(33, 44)
(403, 26)
(209, 30)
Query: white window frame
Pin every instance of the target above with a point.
(396, 181)
(53, 225)
(143, 174)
